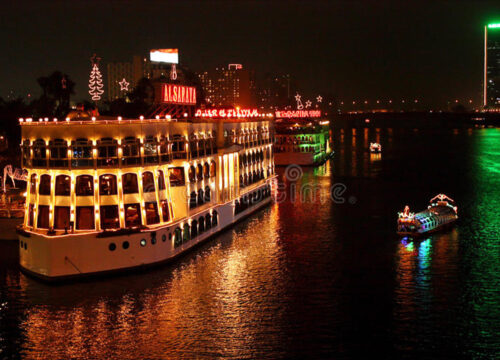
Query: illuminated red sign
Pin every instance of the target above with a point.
(227, 113)
(178, 94)
(298, 114)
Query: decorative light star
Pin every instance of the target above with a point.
(319, 98)
(124, 85)
(299, 102)
(308, 104)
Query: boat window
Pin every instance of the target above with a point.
(176, 176)
(177, 236)
(215, 218)
(208, 145)
(84, 185)
(201, 197)
(164, 149)
(39, 153)
(148, 182)
(107, 152)
(109, 217)
(192, 200)
(63, 185)
(58, 153)
(208, 221)
(212, 169)
(178, 147)
(206, 171)
(132, 215)
(129, 182)
(186, 233)
(81, 150)
(192, 174)
(194, 229)
(31, 214)
(61, 217)
(130, 150)
(165, 210)
(201, 147)
(201, 225)
(207, 194)
(85, 217)
(107, 184)
(150, 150)
(193, 146)
(43, 217)
(161, 180)
(44, 187)
(33, 184)
(152, 216)
(199, 172)
(26, 153)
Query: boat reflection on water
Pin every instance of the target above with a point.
(217, 289)
(425, 273)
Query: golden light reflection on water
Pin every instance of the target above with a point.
(226, 293)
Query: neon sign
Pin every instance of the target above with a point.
(178, 94)
(298, 114)
(227, 113)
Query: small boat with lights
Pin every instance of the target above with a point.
(441, 213)
(375, 148)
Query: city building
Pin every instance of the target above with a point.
(492, 67)
(228, 86)
(124, 76)
(275, 91)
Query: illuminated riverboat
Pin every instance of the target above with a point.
(110, 194)
(441, 213)
(301, 138)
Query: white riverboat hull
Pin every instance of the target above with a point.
(55, 258)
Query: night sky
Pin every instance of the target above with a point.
(359, 50)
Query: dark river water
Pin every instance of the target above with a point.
(314, 276)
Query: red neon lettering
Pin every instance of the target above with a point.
(174, 96)
(178, 94)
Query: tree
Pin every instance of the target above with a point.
(10, 112)
(56, 91)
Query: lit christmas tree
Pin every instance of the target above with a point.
(95, 82)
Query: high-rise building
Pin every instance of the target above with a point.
(132, 72)
(117, 73)
(229, 86)
(275, 91)
(492, 67)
